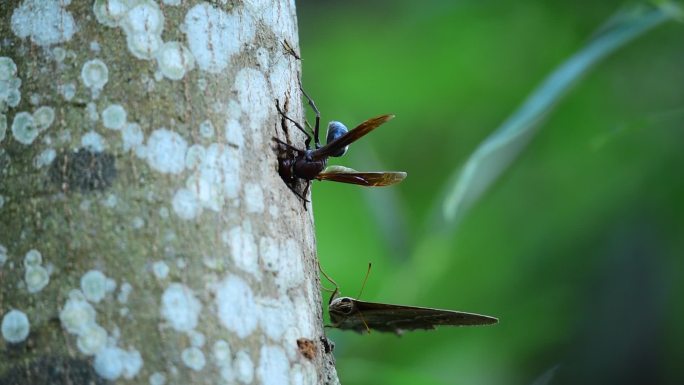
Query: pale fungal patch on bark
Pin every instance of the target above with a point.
(93, 141)
(15, 326)
(243, 250)
(46, 22)
(196, 338)
(193, 358)
(236, 307)
(10, 96)
(252, 95)
(45, 158)
(244, 367)
(3, 249)
(113, 362)
(157, 378)
(274, 367)
(215, 179)
(92, 339)
(114, 117)
(160, 270)
(233, 133)
(36, 276)
(275, 316)
(166, 151)
(206, 129)
(185, 204)
(43, 117)
(180, 308)
(215, 36)
(95, 75)
(175, 60)
(24, 129)
(94, 285)
(194, 156)
(132, 136)
(254, 198)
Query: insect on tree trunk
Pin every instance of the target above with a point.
(145, 235)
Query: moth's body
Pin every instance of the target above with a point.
(361, 316)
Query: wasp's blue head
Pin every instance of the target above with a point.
(336, 130)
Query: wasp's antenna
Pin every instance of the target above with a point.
(337, 288)
(364, 282)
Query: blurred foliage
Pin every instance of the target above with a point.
(578, 247)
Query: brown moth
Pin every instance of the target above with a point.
(360, 316)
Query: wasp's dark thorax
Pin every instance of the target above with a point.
(306, 167)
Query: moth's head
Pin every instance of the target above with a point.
(342, 305)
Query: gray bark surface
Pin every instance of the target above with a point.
(145, 235)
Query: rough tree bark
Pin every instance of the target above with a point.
(145, 236)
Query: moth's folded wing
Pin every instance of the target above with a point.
(348, 175)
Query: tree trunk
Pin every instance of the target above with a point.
(145, 235)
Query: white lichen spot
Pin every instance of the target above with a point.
(77, 314)
(9, 84)
(185, 204)
(137, 223)
(47, 22)
(180, 308)
(95, 75)
(262, 58)
(275, 316)
(206, 129)
(214, 36)
(193, 358)
(233, 132)
(59, 54)
(302, 375)
(110, 285)
(160, 269)
(92, 339)
(202, 84)
(36, 278)
(125, 291)
(93, 141)
(273, 366)
(108, 363)
(196, 338)
(3, 126)
(15, 326)
(34, 99)
(43, 117)
(253, 91)
(110, 12)
(113, 362)
(114, 117)
(95, 46)
(33, 258)
(172, 2)
(157, 378)
(163, 212)
(244, 367)
(94, 285)
(254, 198)
(236, 307)
(132, 136)
(194, 156)
(243, 250)
(45, 158)
(132, 363)
(221, 353)
(175, 60)
(3, 252)
(68, 90)
(166, 151)
(110, 201)
(24, 129)
(91, 109)
(143, 25)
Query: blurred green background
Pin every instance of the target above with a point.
(578, 248)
